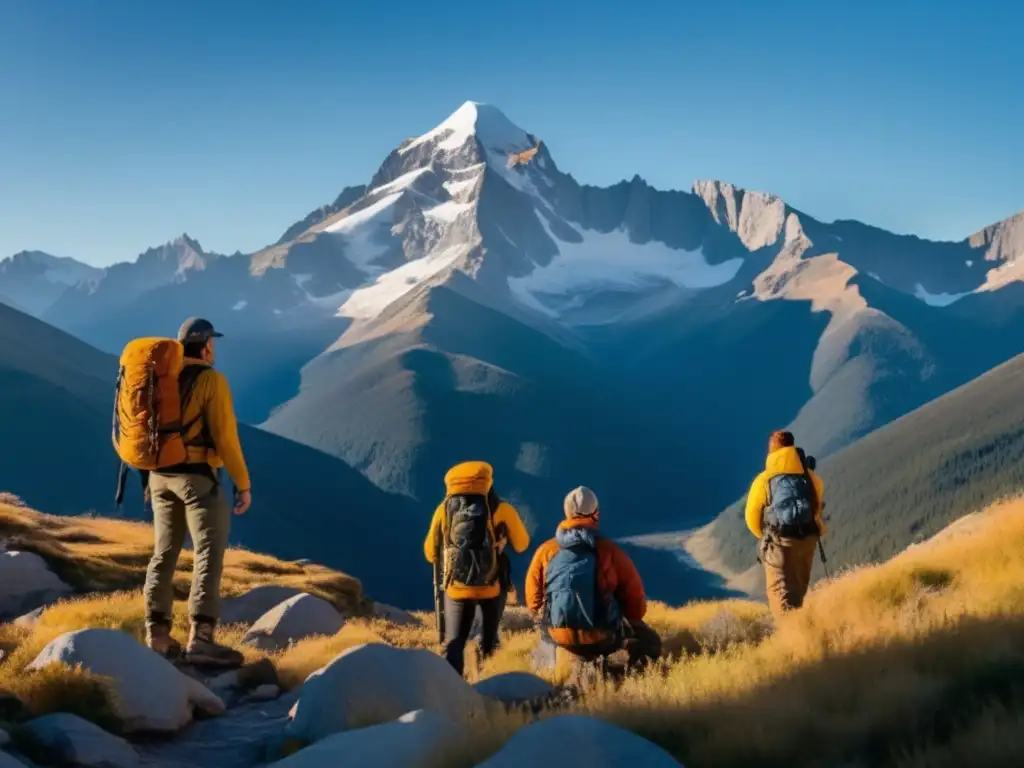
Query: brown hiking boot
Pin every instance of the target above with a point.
(159, 640)
(203, 651)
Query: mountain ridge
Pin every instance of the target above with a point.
(400, 327)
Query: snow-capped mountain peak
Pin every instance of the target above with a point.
(484, 122)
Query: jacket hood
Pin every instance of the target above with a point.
(571, 535)
(475, 477)
(784, 461)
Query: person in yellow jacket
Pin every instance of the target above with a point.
(784, 509)
(469, 530)
(189, 497)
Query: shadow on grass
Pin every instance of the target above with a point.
(876, 707)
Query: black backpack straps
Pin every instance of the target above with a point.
(187, 382)
(812, 489)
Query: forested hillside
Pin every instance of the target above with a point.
(908, 480)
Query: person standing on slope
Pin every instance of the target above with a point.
(586, 590)
(189, 497)
(463, 534)
(784, 511)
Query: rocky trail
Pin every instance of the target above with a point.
(372, 705)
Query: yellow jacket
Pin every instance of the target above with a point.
(784, 461)
(211, 399)
(473, 477)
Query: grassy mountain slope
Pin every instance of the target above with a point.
(912, 477)
(916, 662)
(55, 401)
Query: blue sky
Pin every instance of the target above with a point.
(123, 124)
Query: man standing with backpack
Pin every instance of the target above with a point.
(175, 421)
(784, 511)
(587, 591)
(463, 539)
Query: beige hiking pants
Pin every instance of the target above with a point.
(196, 504)
(787, 569)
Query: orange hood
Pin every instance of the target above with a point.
(469, 477)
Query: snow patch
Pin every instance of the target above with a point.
(240, 305)
(448, 212)
(361, 229)
(612, 261)
(402, 182)
(371, 300)
(456, 188)
(937, 299)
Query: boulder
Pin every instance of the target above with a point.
(152, 695)
(245, 678)
(264, 693)
(394, 615)
(65, 739)
(7, 761)
(375, 683)
(296, 618)
(415, 739)
(590, 742)
(30, 619)
(27, 583)
(513, 687)
(248, 608)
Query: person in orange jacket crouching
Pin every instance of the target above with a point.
(587, 591)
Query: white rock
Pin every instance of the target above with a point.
(376, 683)
(266, 692)
(578, 740)
(394, 615)
(205, 701)
(151, 694)
(248, 608)
(30, 619)
(296, 618)
(26, 583)
(69, 740)
(415, 739)
(514, 686)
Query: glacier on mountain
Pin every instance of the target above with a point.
(938, 299)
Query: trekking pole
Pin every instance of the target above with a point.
(824, 560)
(438, 598)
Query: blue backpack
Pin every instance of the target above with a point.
(573, 600)
(791, 501)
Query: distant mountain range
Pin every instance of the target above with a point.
(472, 300)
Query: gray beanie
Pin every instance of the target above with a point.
(581, 502)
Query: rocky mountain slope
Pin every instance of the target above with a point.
(56, 397)
(903, 482)
(473, 300)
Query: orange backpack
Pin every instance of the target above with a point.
(147, 428)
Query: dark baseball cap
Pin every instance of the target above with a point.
(197, 329)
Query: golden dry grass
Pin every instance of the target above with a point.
(915, 662)
(100, 554)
